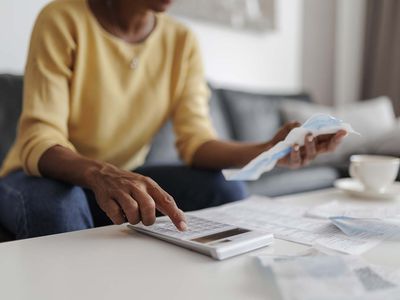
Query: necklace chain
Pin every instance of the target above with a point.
(134, 62)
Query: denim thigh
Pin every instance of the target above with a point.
(194, 188)
(34, 206)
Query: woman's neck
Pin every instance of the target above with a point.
(126, 19)
(131, 15)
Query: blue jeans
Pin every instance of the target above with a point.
(33, 206)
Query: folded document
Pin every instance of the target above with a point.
(368, 227)
(317, 125)
(330, 278)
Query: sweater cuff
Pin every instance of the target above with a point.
(193, 146)
(31, 165)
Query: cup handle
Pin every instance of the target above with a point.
(353, 171)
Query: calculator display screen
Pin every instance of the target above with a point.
(220, 235)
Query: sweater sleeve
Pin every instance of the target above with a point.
(44, 119)
(191, 118)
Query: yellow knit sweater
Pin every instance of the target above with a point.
(80, 91)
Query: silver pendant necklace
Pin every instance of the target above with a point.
(134, 62)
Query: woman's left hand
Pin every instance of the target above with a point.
(313, 146)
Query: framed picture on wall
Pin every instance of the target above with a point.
(255, 15)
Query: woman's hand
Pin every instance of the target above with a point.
(126, 196)
(313, 146)
(122, 195)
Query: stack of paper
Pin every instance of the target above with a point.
(366, 220)
(338, 228)
(330, 277)
(355, 210)
(287, 222)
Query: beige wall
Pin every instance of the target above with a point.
(316, 46)
(16, 20)
(269, 61)
(241, 59)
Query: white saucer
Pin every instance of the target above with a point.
(355, 188)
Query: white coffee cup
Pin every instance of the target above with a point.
(375, 172)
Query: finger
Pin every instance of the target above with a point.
(111, 209)
(292, 125)
(336, 140)
(165, 203)
(326, 147)
(341, 133)
(130, 207)
(176, 215)
(327, 137)
(288, 127)
(147, 207)
(295, 157)
(114, 212)
(324, 142)
(323, 147)
(324, 138)
(310, 147)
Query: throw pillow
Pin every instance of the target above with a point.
(372, 119)
(254, 116)
(388, 143)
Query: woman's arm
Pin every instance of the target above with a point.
(217, 154)
(197, 142)
(120, 194)
(43, 138)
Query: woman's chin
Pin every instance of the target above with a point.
(160, 5)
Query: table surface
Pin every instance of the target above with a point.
(116, 263)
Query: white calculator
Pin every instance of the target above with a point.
(212, 238)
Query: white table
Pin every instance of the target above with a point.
(116, 263)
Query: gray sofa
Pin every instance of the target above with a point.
(236, 115)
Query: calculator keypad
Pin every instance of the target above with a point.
(196, 227)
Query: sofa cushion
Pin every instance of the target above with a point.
(388, 143)
(163, 150)
(283, 181)
(219, 116)
(10, 109)
(254, 117)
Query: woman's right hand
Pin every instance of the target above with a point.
(125, 195)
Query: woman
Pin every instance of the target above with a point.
(101, 78)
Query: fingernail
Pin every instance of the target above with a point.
(183, 226)
(296, 148)
(310, 138)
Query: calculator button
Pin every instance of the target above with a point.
(196, 227)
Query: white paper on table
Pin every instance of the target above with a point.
(318, 124)
(267, 258)
(286, 222)
(330, 277)
(364, 210)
